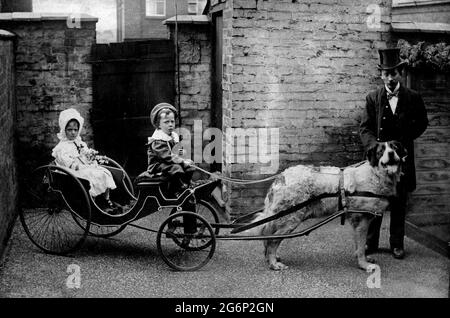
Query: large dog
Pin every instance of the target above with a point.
(378, 175)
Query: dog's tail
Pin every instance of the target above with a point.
(257, 230)
(267, 211)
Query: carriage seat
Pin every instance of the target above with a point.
(148, 179)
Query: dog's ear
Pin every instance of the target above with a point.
(371, 155)
(400, 149)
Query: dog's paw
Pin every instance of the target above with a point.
(278, 266)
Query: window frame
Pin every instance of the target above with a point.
(192, 4)
(149, 14)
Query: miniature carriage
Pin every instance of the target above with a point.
(58, 214)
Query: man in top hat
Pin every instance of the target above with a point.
(393, 112)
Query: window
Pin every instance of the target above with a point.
(192, 6)
(155, 8)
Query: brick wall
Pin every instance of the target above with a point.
(139, 26)
(194, 41)
(304, 67)
(8, 176)
(52, 74)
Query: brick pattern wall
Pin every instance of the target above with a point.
(53, 74)
(8, 177)
(304, 67)
(232, 194)
(138, 26)
(194, 41)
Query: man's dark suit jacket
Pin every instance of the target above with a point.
(408, 123)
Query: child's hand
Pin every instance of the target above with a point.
(188, 162)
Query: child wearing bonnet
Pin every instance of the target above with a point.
(73, 153)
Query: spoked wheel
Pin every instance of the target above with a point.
(98, 230)
(209, 211)
(53, 198)
(186, 241)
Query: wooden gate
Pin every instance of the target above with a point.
(429, 212)
(128, 80)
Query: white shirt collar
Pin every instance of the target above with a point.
(395, 90)
(158, 134)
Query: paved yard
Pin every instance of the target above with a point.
(321, 265)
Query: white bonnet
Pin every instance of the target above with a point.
(64, 117)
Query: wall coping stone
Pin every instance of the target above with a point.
(6, 34)
(33, 16)
(188, 19)
(408, 26)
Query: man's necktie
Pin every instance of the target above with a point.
(390, 95)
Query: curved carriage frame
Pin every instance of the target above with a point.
(58, 215)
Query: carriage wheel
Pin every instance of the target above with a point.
(183, 251)
(53, 197)
(210, 212)
(99, 230)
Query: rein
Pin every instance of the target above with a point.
(232, 180)
(243, 181)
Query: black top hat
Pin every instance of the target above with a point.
(390, 59)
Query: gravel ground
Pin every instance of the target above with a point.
(321, 265)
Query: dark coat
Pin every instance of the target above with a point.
(408, 123)
(161, 160)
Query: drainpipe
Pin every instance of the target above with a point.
(177, 57)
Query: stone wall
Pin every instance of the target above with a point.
(304, 67)
(16, 5)
(8, 174)
(194, 41)
(52, 74)
(138, 26)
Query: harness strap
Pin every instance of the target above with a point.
(283, 213)
(342, 199)
(368, 194)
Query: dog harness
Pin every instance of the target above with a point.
(342, 205)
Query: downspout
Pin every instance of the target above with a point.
(177, 57)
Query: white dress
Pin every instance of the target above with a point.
(71, 154)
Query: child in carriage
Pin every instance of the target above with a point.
(161, 160)
(73, 153)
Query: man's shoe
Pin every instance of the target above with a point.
(398, 253)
